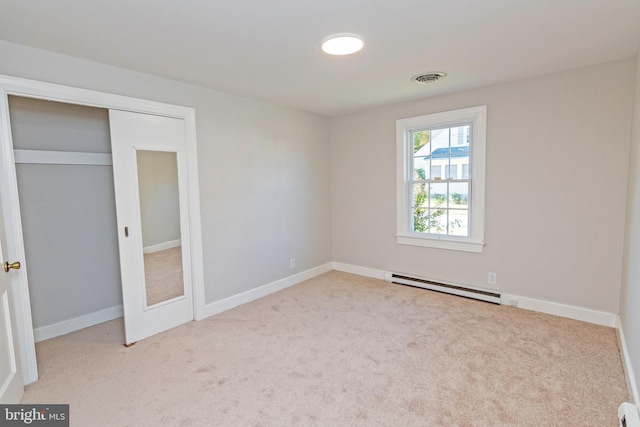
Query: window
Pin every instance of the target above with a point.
(465, 170)
(436, 172)
(435, 209)
(451, 171)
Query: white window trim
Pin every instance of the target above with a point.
(404, 150)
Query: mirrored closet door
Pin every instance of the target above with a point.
(152, 215)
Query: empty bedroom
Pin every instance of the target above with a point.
(407, 213)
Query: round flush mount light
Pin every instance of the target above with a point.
(424, 78)
(342, 44)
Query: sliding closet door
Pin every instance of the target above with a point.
(149, 166)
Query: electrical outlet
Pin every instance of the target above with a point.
(492, 278)
(292, 263)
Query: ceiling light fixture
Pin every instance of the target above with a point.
(342, 44)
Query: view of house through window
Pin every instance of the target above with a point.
(440, 178)
(440, 183)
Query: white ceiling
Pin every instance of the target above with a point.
(270, 50)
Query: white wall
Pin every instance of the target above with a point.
(264, 170)
(556, 182)
(630, 295)
(159, 201)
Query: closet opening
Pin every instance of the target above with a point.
(74, 253)
(67, 205)
(72, 163)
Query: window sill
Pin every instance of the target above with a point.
(449, 244)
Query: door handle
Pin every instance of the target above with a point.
(14, 265)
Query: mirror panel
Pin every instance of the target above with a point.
(160, 218)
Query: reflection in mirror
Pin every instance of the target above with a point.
(160, 215)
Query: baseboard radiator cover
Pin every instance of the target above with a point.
(448, 288)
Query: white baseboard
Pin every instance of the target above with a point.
(572, 312)
(259, 292)
(61, 328)
(556, 309)
(626, 362)
(162, 246)
(360, 271)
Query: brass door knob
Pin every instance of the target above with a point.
(14, 265)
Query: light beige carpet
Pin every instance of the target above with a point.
(342, 350)
(163, 275)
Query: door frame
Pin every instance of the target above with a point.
(10, 203)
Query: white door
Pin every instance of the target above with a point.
(149, 169)
(11, 388)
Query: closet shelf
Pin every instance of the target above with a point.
(62, 157)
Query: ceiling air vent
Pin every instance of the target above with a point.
(425, 78)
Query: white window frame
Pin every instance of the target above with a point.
(477, 116)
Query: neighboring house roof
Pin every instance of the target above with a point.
(442, 153)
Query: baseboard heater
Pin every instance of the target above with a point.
(463, 291)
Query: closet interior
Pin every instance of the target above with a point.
(67, 206)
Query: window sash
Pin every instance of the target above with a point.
(448, 207)
(440, 178)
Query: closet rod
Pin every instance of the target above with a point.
(62, 158)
